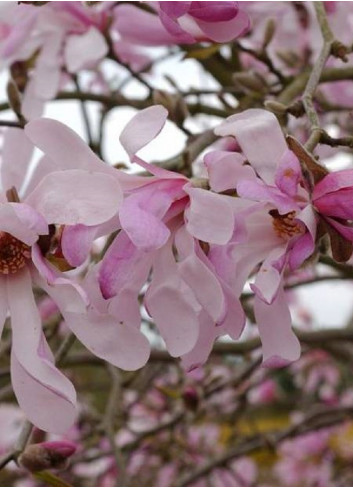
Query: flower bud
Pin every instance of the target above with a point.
(47, 455)
(174, 103)
(249, 81)
(270, 30)
(191, 398)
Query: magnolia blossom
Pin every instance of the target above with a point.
(182, 22)
(281, 228)
(30, 214)
(164, 226)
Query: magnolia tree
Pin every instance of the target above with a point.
(155, 330)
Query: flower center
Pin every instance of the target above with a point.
(285, 225)
(13, 254)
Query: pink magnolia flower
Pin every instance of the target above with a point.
(83, 196)
(189, 303)
(281, 225)
(182, 22)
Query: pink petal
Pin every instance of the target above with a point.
(106, 337)
(168, 303)
(122, 263)
(288, 174)
(280, 346)
(260, 137)
(332, 182)
(141, 216)
(44, 393)
(140, 27)
(15, 158)
(199, 277)
(203, 347)
(269, 277)
(3, 304)
(142, 128)
(258, 191)
(336, 204)
(213, 11)
(305, 245)
(227, 30)
(226, 169)
(76, 197)
(210, 216)
(84, 49)
(63, 146)
(76, 243)
(23, 222)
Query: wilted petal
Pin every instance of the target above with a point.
(44, 393)
(280, 346)
(210, 216)
(76, 197)
(260, 137)
(84, 49)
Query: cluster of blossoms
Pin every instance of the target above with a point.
(190, 249)
(203, 252)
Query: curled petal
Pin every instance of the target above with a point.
(142, 128)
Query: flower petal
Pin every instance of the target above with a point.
(280, 346)
(168, 302)
(76, 197)
(15, 158)
(210, 216)
(84, 49)
(142, 128)
(44, 393)
(226, 169)
(260, 137)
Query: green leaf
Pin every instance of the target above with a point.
(51, 479)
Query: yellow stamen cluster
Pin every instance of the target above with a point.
(13, 254)
(284, 225)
